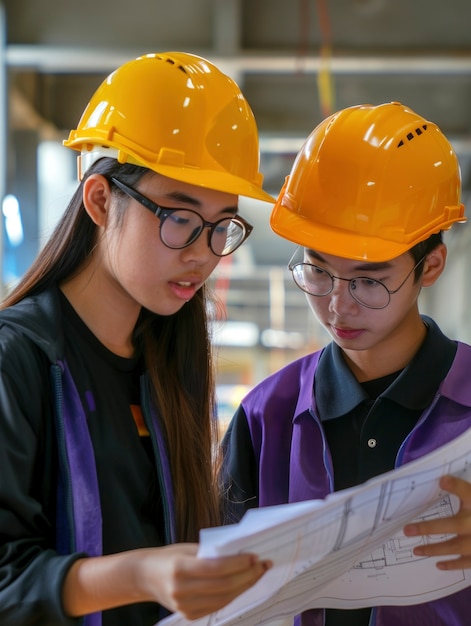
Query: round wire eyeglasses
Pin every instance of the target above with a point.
(318, 282)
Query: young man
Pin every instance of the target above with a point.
(367, 200)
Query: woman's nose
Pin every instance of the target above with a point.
(199, 249)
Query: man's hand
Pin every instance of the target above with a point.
(458, 525)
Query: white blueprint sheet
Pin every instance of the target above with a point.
(346, 551)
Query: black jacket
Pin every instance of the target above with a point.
(49, 514)
(31, 571)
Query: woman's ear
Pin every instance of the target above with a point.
(96, 198)
(434, 265)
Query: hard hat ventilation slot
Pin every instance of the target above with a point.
(416, 133)
(172, 62)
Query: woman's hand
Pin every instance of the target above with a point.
(195, 586)
(172, 576)
(458, 525)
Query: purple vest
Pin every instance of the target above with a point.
(295, 464)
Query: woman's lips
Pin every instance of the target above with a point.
(184, 290)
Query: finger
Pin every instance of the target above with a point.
(458, 524)
(196, 598)
(445, 526)
(458, 487)
(460, 563)
(455, 545)
(220, 579)
(199, 607)
(221, 567)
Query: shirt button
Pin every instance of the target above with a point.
(372, 443)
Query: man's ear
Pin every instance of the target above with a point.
(434, 265)
(97, 198)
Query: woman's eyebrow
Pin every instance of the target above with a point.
(180, 196)
(360, 267)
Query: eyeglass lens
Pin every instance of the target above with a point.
(318, 282)
(183, 226)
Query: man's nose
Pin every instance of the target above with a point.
(340, 296)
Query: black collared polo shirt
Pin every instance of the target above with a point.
(365, 424)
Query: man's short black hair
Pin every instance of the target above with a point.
(423, 248)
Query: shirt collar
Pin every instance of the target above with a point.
(336, 389)
(338, 392)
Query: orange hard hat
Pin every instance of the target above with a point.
(369, 183)
(178, 115)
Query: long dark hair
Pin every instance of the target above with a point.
(176, 350)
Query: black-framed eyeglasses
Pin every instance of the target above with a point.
(179, 228)
(369, 292)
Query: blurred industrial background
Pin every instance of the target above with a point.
(296, 61)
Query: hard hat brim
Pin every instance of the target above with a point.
(210, 179)
(342, 243)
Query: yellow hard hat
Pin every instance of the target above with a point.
(369, 183)
(178, 115)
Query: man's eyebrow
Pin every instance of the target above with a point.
(360, 267)
(180, 196)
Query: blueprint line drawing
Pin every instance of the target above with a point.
(346, 551)
(398, 550)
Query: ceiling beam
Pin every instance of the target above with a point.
(58, 59)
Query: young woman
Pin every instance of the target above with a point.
(106, 385)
